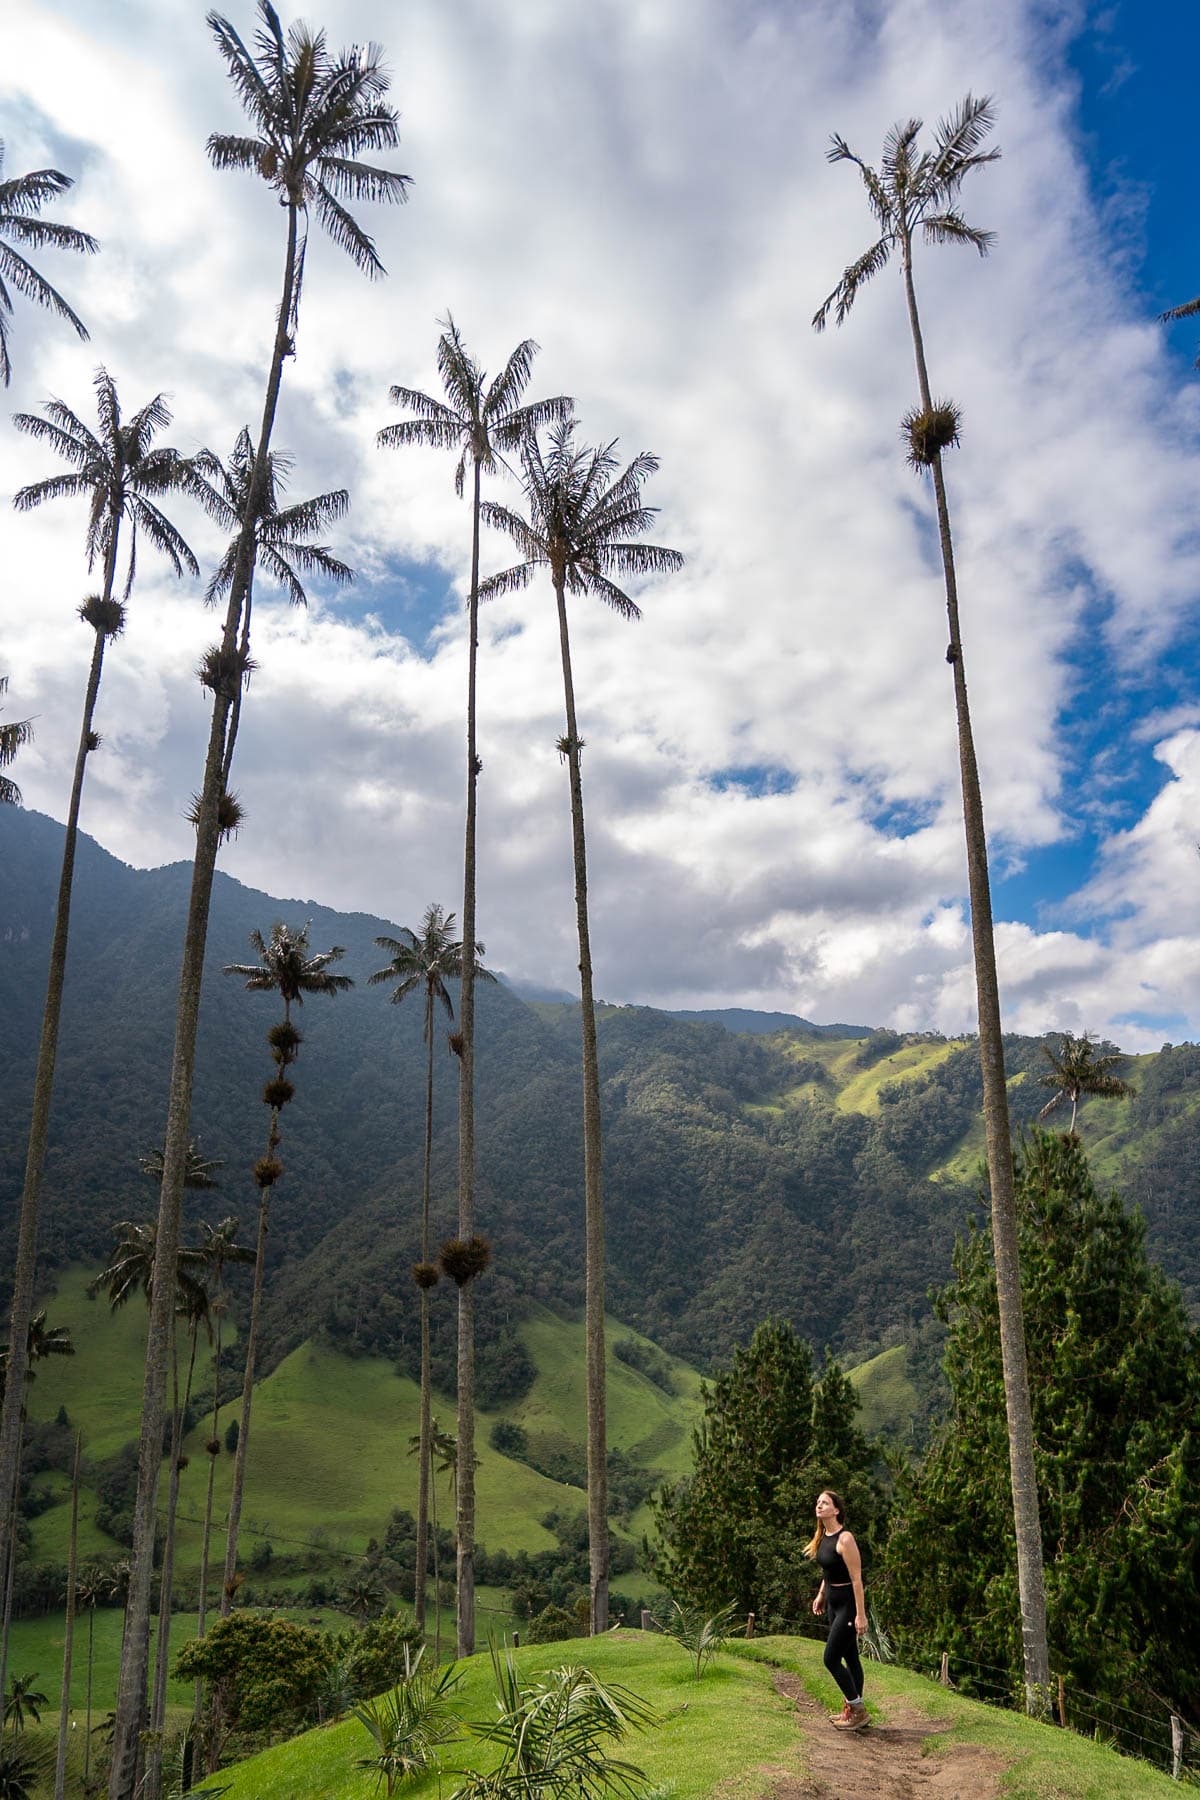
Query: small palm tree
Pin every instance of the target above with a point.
(312, 117)
(410, 1724)
(286, 967)
(584, 526)
(14, 734)
(1078, 1067)
(427, 959)
(914, 193)
(554, 1734)
(121, 475)
(23, 1701)
(22, 198)
(480, 422)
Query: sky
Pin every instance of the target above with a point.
(771, 776)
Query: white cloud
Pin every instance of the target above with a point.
(644, 191)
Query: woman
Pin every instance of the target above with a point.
(840, 1598)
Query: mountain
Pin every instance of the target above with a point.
(817, 1177)
(762, 1024)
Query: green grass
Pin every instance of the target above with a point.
(729, 1735)
(860, 1093)
(889, 1399)
(37, 1644)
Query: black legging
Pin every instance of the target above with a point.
(841, 1650)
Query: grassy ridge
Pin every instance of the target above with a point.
(730, 1734)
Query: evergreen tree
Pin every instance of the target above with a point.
(1115, 1384)
(770, 1440)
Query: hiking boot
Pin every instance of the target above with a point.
(843, 1717)
(856, 1717)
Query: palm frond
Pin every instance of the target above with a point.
(32, 286)
(351, 180)
(1188, 310)
(509, 581)
(347, 233)
(854, 279)
(952, 228)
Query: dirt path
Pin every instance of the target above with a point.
(884, 1762)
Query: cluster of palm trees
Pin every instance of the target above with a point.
(314, 122)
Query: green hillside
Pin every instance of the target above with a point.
(735, 1735)
(331, 1437)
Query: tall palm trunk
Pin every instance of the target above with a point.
(158, 1702)
(25, 1271)
(464, 1508)
(9, 1567)
(237, 1491)
(597, 1447)
(64, 1706)
(437, 1573)
(1026, 1519)
(423, 1449)
(87, 1715)
(202, 1605)
(131, 1691)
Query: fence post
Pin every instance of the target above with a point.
(647, 1619)
(944, 1676)
(1176, 1746)
(749, 1625)
(516, 1640)
(1062, 1704)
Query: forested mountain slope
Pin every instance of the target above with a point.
(821, 1178)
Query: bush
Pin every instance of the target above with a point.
(553, 1625)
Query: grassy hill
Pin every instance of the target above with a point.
(331, 1437)
(734, 1735)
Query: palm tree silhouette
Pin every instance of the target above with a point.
(1078, 1067)
(584, 526)
(915, 192)
(482, 422)
(426, 959)
(119, 472)
(14, 734)
(22, 198)
(285, 967)
(312, 116)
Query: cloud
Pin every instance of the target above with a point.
(771, 774)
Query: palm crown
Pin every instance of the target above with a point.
(912, 190)
(583, 518)
(281, 532)
(13, 734)
(314, 115)
(21, 200)
(286, 967)
(116, 469)
(480, 420)
(1080, 1067)
(429, 959)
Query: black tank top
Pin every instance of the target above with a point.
(830, 1559)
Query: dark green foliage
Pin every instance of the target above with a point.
(647, 1361)
(874, 1048)
(509, 1439)
(553, 1625)
(231, 1437)
(373, 1653)
(1115, 1379)
(23, 1768)
(771, 1439)
(266, 1673)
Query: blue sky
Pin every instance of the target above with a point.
(771, 775)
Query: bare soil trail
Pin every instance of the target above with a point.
(885, 1761)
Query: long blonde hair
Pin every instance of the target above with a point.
(819, 1533)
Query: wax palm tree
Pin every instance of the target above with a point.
(480, 421)
(312, 116)
(1079, 1067)
(282, 545)
(89, 1589)
(64, 1705)
(121, 474)
(426, 959)
(14, 734)
(584, 526)
(914, 193)
(221, 1249)
(22, 198)
(285, 967)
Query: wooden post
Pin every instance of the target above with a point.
(1062, 1704)
(1176, 1746)
(749, 1625)
(516, 1640)
(944, 1674)
(647, 1619)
